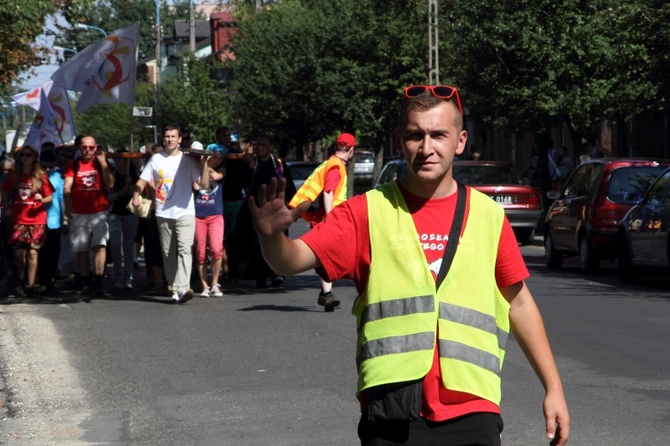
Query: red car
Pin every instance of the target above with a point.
(499, 180)
(502, 182)
(584, 218)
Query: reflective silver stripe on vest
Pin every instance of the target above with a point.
(462, 352)
(398, 307)
(396, 344)
(478, 320)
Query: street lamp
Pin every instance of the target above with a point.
(63, 50)
(85, 26)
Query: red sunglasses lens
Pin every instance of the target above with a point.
(412, 92)
(443, 91)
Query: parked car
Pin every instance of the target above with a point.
(364, 166)
(499, 180)
(393, 169)
(642, 239)
(584, 218)
(300, 170)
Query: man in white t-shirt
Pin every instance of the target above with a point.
(173, 175)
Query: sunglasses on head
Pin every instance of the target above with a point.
(445, 92)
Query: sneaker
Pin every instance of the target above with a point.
(205, 292)
(185, 296)
(175, 297)
(20, 291)
(328, 301)
(215, 291)
(86, 290)
(277, 281)
(31, 291)
(128, 285)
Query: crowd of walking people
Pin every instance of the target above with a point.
(77, 218)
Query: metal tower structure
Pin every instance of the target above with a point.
(433, 41)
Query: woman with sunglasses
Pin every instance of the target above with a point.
(30, 190)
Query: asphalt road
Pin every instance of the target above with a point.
(270, 367)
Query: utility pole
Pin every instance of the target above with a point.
(191, 27)
(433, 44)
(157, 75)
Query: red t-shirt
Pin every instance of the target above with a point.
(89, 195)
(347, 227)
(25, 210)
(332, 178)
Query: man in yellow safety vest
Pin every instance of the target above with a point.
(440, 281)
(324, 189)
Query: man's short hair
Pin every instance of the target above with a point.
(222, 129)
(47, 155)
(424, 102)
(169, 128)
(266, 136)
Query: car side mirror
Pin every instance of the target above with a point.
(553, 195)
(632, 197)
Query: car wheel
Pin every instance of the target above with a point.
(552, 258)
(588, 258)
(526, 236)
(627, 272)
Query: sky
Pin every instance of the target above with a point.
(43, 72)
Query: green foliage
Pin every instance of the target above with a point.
(521, 64)
(190, 99)
(109, 124)
(20, 24)
(308, 69)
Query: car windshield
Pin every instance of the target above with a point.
(364, 157)
(631, 179)
(491, 174)
(302, 171)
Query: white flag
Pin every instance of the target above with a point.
(43, 128)
(105, 71)
(60, 107)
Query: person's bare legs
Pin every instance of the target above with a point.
(216, 270)
(202, 273)
(32, 266)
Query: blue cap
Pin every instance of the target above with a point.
(214, 147)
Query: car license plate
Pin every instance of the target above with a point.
(503, 199)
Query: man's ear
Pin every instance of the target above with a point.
(398, 141)
(462, 139)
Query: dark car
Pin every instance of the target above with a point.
(584, 218)
(499, 180)
(301, 170)
(642, 239)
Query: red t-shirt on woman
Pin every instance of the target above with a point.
(25, 209)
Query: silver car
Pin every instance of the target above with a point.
(364, 166)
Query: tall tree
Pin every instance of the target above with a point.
(306, 69)
(522, 64)
(20, 25)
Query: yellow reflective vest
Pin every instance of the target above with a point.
(399, 309)
(313, 186)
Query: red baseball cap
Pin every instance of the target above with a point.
(346, 139)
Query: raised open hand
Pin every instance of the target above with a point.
(271, 215)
